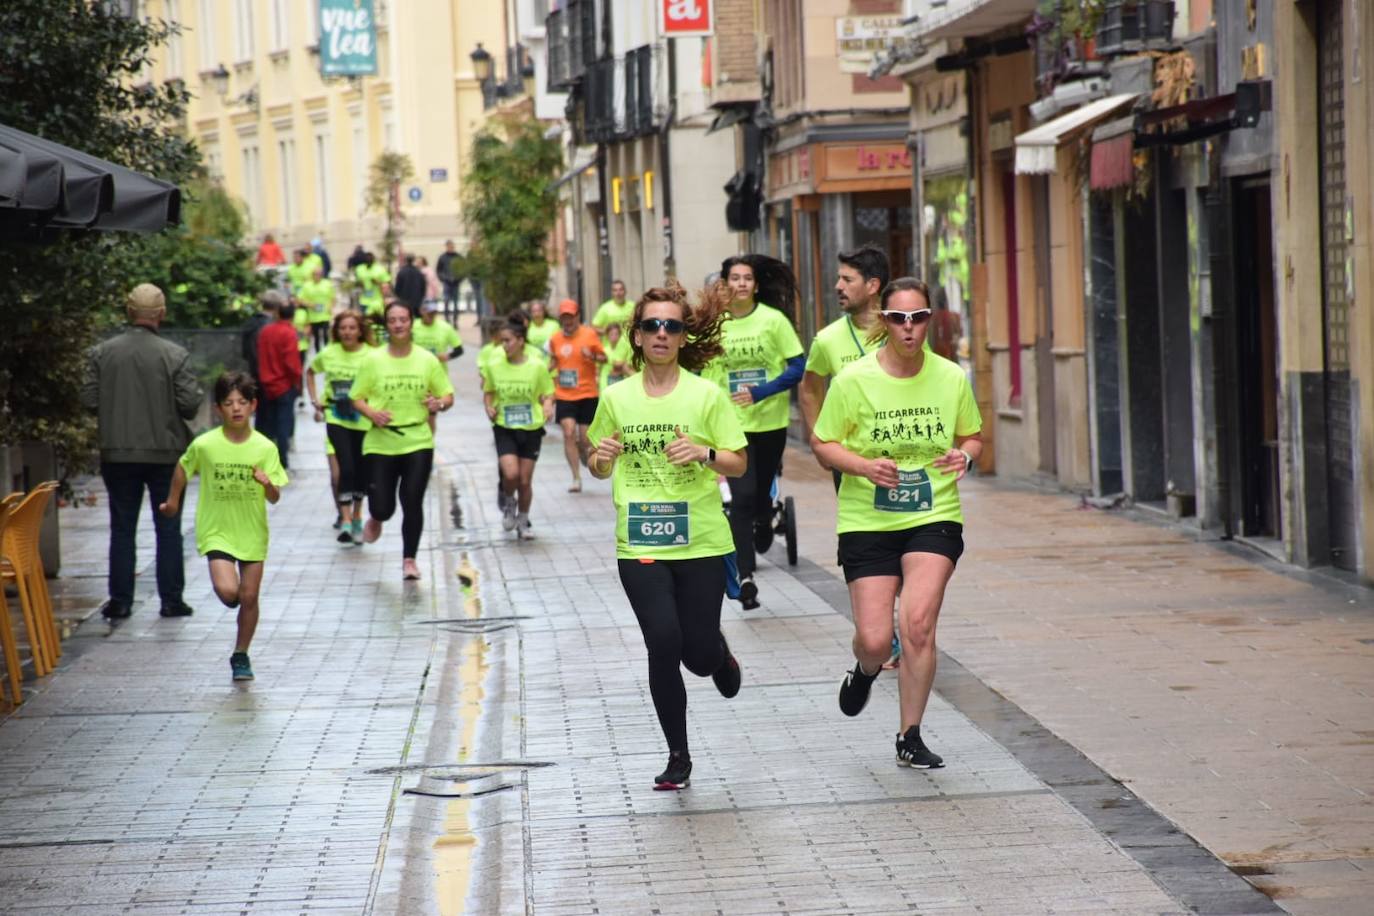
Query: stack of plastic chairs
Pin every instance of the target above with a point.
(9, 648)
(21, 563)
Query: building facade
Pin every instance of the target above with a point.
(296, 147)
(1170, 254)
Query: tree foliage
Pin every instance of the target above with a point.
(510, 206)
(202, 265)
(71, 73)
(384, 179)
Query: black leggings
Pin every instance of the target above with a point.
(411, 471)
(348, 449)
(751, 500)
(677, 603)
(319, 334)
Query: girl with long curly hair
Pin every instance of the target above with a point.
(663, 435)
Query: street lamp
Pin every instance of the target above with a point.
(481, 64)
(220, 76)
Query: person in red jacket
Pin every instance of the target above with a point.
(270, 253)
(279, 369)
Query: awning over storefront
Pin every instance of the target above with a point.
(1113, 146)
(47, 185)
(584, 157)
(1036, 150)
(970, 18)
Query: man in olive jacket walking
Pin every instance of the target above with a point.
(143, 391)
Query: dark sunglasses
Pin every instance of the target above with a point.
(671, 325)
(916, 316)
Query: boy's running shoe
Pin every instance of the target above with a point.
(345, 535)
(912, 751)
(677, 775)
(356, 529)
(727, 676)
(854, 690)
(338, 521)
(525, 531)
(510, 513)
(240, 666)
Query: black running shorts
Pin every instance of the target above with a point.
(583, 411)
(879, 553)
(523, 443)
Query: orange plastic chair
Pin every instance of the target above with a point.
(21, 563)
(9, 647)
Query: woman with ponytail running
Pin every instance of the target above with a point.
(397, 388)
(762, 360)
(663, 435)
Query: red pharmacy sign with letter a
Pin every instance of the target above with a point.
(685, 18)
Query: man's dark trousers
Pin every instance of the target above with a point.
(277, 421)
(124, 484)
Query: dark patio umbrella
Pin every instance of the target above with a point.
(47, 185)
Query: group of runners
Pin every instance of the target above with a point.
(667, 396)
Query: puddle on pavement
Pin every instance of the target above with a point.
(455, 847)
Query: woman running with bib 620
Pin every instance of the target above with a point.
(665, 433)
(903, 428)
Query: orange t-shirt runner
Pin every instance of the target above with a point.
(574, 375)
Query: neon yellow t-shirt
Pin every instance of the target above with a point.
(318, 298)
(619, 352)
(538, 334)
(757, 348)
(836, 345)
(370, 279)
(231, 511)
(440, 337)
(913, 421)
(517, 391)
(300, 319)
(398, 385)
(611, 312)
(663, 511)
(492, 351)
(299, 274)
(340, 368)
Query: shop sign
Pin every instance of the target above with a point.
(860, 39)
(686, 18)
(348, 38)
(860, 166)
(791, 168)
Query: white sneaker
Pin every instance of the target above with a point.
(509, 514)
(523, 530)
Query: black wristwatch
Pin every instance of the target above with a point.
(710, 455)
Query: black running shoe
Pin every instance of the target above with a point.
(180, 609)
(763, 536)
(113, 610)
(727, 676)
(912, 751)
(678, 774)
(854, 690)
(748, 593)
(345, 535)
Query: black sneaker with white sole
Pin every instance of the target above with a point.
(727, 676)
(912, 751)
(677, 775)
(855, 688)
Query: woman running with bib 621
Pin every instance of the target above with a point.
(665, 433)
(397, 388)
(903, 428)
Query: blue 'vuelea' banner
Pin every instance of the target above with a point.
(348, 38)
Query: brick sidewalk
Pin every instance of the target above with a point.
(1234, 696)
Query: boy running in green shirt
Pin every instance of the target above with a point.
(240, 472)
